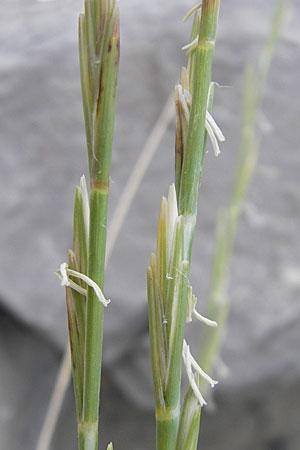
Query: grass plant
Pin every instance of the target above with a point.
(170, 297)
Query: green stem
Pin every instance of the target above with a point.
(99, 59)
(88, 436)
(166, 428)
(94, 309)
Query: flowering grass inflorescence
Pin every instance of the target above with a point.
(170, 297)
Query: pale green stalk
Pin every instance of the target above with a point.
(255, 81)
(218, 307)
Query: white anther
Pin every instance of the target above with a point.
(212, 138)
(203, 374)
(214, 132)
(72, 285)
(188, 364)
(216, 129)
(209, 322)
(191, 46)
(191, 11)
(191, 364)
(64, 273)
(200, 371)
(191, 310)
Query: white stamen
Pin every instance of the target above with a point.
(72, 285)
(218, 132)
(191, 11)
(92, 284)
(209, 322)
(200, 371)
(65, 281)
(191, 46)
(213, 138)
(213, 130)
(188, 364)
(191, 310)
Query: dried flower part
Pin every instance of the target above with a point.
(191, 46)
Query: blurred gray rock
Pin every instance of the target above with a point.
(42, 159)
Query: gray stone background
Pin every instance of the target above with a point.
(256, 406)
